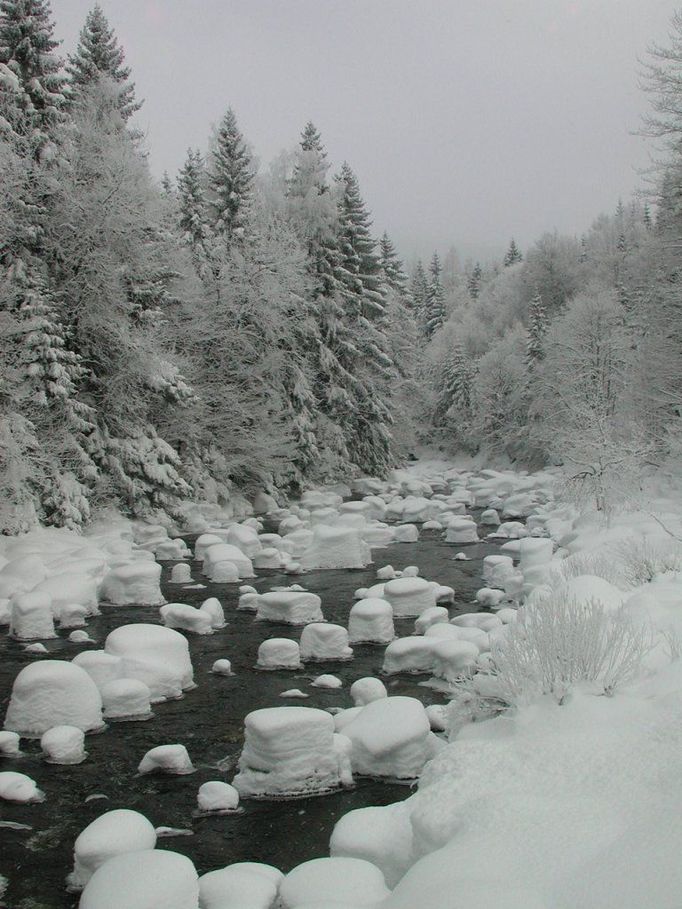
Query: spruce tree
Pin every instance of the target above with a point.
(231, 179)
(191, 185)
(513, 254)
(474, 281)
(27, 50)
(98, 55)
(455, 381)
(391, 267)
(433, 313)
(419, 289)
(537, 328)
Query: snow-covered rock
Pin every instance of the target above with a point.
(490, 518)
(217, 796)
(343, 882)
(72, 615)
(245, 538)
(391, 738)
(155, 655)
(137, 582)
(433, 616)
(31, 616)
(461, 530)
(9, 744)
(370, 621)
(496, 569)
(219, 553)
(406, 533)
(53, 693)
(364, 691)
(222, 667)
(237, 887)
(186, 618)
(101, 666)
(490, 597)
(327, 681)
(279, 653)
(409, 597)
(180, 574)
(126, 699)
(170, 550)
(213, 608)
(413, 654)
(172, 759)
(63, 745)
(291, 607)
(483, 620)
(288, 751)
(335, 547)
(325, 641)
(453, 658)
(17, 787)
(382, 836)
(145, 879)
(112, 833)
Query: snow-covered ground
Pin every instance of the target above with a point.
(554, 783)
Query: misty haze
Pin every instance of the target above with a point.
(340, 454)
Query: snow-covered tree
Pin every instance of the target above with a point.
(27, 46)
(455, 385)
(537, 329)
(191, 189)
(432, 315)
(419, 289)
(99, 55)
(231, 178)
(392, 267)
(513, 254)
(474, 281)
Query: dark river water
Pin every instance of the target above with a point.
(209, 722)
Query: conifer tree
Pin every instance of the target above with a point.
(513, 254)
(391, 267)
(474, 281)
(231, 179)
(455, 384)
(537, 329)
(419, 289)
(99, 55)
(191, 185)
(27, 46)
(433, 313)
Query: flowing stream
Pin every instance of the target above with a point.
(36, 841)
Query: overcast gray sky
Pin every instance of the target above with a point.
(467, 121)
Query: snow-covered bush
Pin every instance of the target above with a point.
(561, 642)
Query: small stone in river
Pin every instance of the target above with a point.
(294, 693)
(9, 744)
(222, 667)
(36, 648)
(461, 557)
(80, 637)
(327, 681)
(217, 796)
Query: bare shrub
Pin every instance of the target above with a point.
(641, 559)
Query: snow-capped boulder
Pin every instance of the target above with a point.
(325, 641)
(102, 667)
(112, 833)
(145, 879)
(291, 607)
(218, 796)
(413, 654)
(155, 655)
(496, 569)
(53, 693)
(17, 787)
(342, 882)
(218, 553)
(172, 759)
(433, 616)
(180, 574)
(137, 582)
(370, 621)
(364, 691)
(335, 547)
(31, 616)
(453, 658)
(279, 653)
(63, 745)
(126, 699)
(186, 618)
(461, 530)
(409, 597)
(288, 751)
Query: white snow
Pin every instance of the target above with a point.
(413, 654)
(222, 667)
(221, 552)
(64, 745)
(279, 653)
(325, 641)
(112, 833)
(370, 621)
(335, 547)
(172, 759)
(216, 795)
(9, 744)
(333, 881)
(288, 751)
(102, 667)
(291, 607)
(409, 597)
(364, 691)
(31, 616)
(157, 656)
(180, 574)
(327, 681)
(17, 787)
(382, 836)
(213, 608)
(146, 879)
(435, 615)
(236, 887)
(461, 530)
(53, 693)
(186, 618)
(137, 582)
(126, 699)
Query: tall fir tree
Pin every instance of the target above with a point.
(191, 184)
(455, 384)
(231, 179)
(27, 47)
(537, 329)
(99, 55)
(513, 254)
(474, 281)
(433, 314)
(392, 267)
(419, 290)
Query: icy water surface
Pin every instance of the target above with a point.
(209, 722)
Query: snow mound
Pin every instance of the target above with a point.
(126, 699)
(221, 552)
(31, 617)
(327, 681)
(414, 654)
(291, 607)
(157, 656)
(370, 621)
(186, 618)
(288, 751)
(236, 887)
(172, 759)
(17, 787)
(382, 836)
(333, 881)
(217, 796)
(146, 879)
(53, 693)
(409, 597)
(364, 691)
(137, 582)
(112, 833)
(461, 530)
(9, 744)
(64, 745)
(323, 641)
(180, 574)
(335, 547)
(435, 615)
(279, 653)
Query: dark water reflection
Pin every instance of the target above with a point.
(209, 722)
